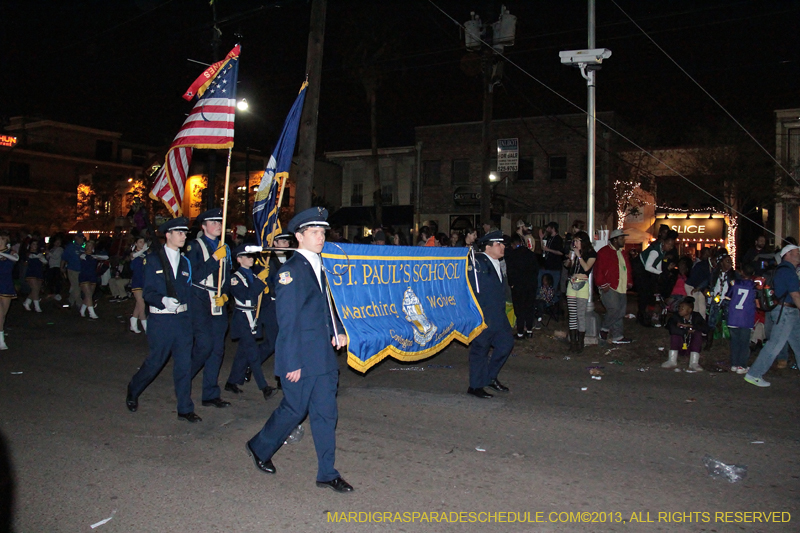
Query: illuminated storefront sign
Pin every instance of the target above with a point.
(6, 140)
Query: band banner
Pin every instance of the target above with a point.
(402, 301)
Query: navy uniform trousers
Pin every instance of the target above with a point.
(305, 331)
(209, 330)
(310, 395)
(168, 334)
(490, 292)
(209, 342)
(253, 354)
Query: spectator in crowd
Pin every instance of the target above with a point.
(700, 278)
(53, 256)
(758, 255)
(455, 237)
(785, 316)
(523, 269)
(442, 240)
(120, 277)
(8, 258)
(686, 329)
(552, 253)
(34, 275)
(613, 276)
(649, 269)
(379, 237)
(741, 317)
(546, 297)
(399, 239)
(424, 235)
(336, 234)
(678, 291)
(525, 233)
(721, 280)
(71, 266)
(579, 265)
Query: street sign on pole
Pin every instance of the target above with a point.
(507, 155)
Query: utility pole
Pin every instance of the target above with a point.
(497, 35)
(589, 61)
(211, 163)
(308, 120)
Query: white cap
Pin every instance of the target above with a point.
(788, 248)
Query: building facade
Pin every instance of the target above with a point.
(787, 152)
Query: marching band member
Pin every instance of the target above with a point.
(137, 283)
(88, 278)
(210, 260)
(168, 291)
(34, 275)
(308, 334)
(7, 292)
(251, 305)
(491, 294)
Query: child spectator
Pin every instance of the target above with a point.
(545, 298)
(741, 318)
(686, 329)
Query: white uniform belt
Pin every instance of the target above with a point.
(181, 308)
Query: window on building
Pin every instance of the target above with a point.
(558, 167)
(18, 174)
(387, 194)
(461, 171)
(357, 195)
(525, 172)
(794, 147)
(103, 150)
(431, 172)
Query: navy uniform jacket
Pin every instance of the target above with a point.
(492, 295)
(243, 291)
(202, 268)
(305, 329)
(155, 286)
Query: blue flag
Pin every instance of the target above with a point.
(265, 207)
(407, 302)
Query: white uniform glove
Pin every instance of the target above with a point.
(170, 304)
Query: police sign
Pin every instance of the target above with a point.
(507, 155)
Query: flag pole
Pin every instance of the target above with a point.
(224, 218)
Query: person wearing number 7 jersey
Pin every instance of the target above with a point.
(741, 318)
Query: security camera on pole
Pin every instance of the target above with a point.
(498, 35)
(589, 61)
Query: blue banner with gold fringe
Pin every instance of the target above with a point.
(407, 302)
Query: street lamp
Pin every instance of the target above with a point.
(242, 105)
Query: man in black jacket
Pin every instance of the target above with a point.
(523, 269)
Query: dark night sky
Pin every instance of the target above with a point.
(122, 65)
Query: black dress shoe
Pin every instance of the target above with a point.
(338, 484)
(479, 392)
(131, 401)
(265, 466)
(216, 402)
(499, 387)
(189, 417)
(232, 387)
(248, 373)
(267, 392)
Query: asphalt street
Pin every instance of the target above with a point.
(626, 450)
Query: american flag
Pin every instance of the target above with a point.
(209, 125)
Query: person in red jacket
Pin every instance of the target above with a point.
(613, 276)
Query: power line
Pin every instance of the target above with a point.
(610, 128)
(706, 93)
